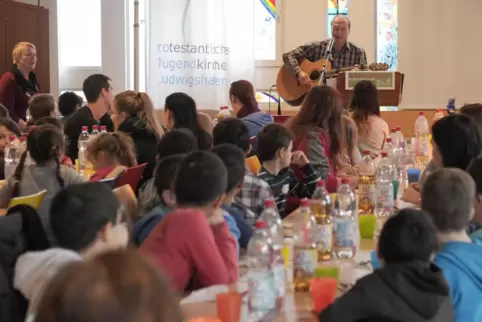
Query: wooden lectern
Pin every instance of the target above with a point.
(389, 84)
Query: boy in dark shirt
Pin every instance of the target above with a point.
(98, 92)
(275, 144)
(408, 288)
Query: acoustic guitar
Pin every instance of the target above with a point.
(293, 92)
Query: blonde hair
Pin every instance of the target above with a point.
(118, 146)
(19, 50)
(138, 104)
(205, 121)
(351, 135)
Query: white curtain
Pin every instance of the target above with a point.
(199, 47)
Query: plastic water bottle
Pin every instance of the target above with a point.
(366, 185)
(345, 220)
(421, 140)
(222, 114)
(438, 115)
(95, 131)
(305, 251)
(400, 137)
(261, 281)
(82, 146)
(393, 135)
(389, 147)
(12, 156)
(384, 192)
(103, 129)
(273, 221)
(321, 205)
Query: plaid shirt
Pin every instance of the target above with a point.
(350, 55)
(252, 195)
(285, 183)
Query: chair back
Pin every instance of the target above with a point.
(281, 119)
(132, 176)
(33, 201)
(253, 164)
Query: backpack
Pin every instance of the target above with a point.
(20, 231)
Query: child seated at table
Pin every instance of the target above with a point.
(45, 144)
(111, 154)
(254, 191)
(408, 287)
(448, 197)
(58, 124)
(233, 158)
(41, 105)
(87, 220)
(475, 227)
(275, 143)
(164, 176)
(192, 245)
(173, 142)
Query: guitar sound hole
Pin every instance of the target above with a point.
(315, 75)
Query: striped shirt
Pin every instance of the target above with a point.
(286, 183)
(349, 55)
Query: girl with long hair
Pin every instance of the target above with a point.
(45, 144)
(365, 111)
(110, 155)
(180, 112)
(245, 106)
(133, 114)
(319, 132)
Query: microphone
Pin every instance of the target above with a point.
(327, 57)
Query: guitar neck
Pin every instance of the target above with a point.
(339, 70)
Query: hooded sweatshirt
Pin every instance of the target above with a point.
(34, 270)
(256, 121)
(403, 292)
(461, 263)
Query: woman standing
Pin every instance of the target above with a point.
(133, 114)
(20, 84)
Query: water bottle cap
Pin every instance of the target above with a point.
(103, 128)
(394, 130)
(269, 203)
(12, 138)
(85, 128)
(389, 140)
(398, 128)
(260, 224)
(320, 183)
(23, 138)
(384, 154)
(224, 107)
(305, 202)
(438, 110)
(421, 113)
(366, 152)
(95, 127)
(345, 181)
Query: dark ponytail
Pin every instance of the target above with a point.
(17, 175)
(56, 157)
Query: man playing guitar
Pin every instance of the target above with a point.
(344, 54)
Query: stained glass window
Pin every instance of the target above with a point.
(336, 7)
(387, 33)
(265, 29)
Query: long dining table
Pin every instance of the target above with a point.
(297, 306)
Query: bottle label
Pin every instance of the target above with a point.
(384, 197)
(344, 233)
(324, 238)
(306, 261)
(262, 291)
(422, 146)
(366, 198)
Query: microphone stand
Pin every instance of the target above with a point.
(322, 79)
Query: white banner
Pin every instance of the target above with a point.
(199, 47)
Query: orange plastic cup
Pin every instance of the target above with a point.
(323, 292)
(228, 306)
